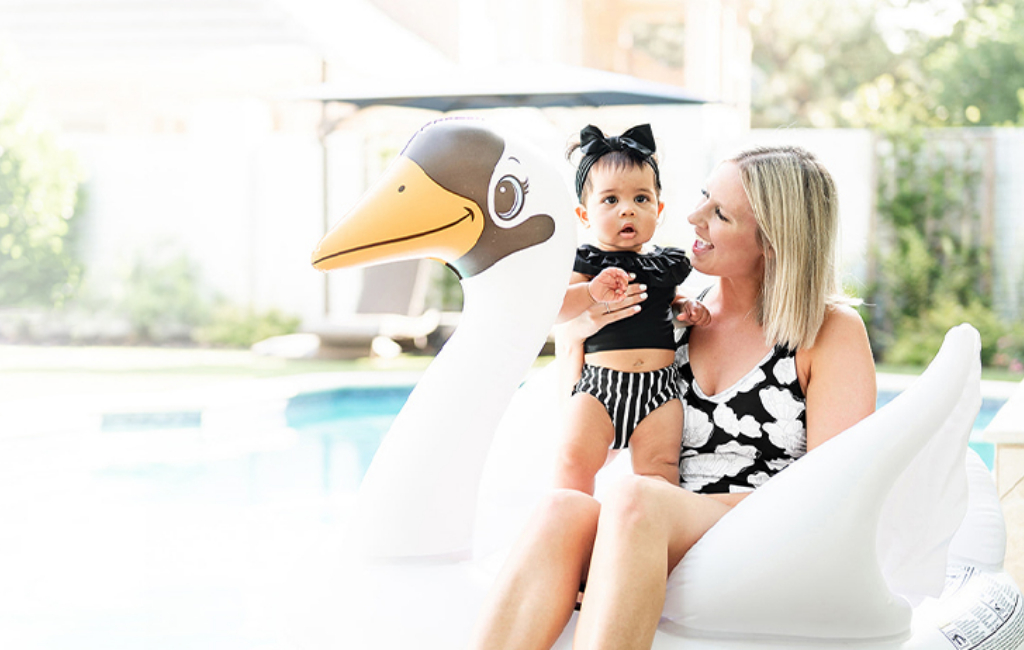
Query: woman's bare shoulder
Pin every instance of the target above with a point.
(842, 352)
(842, 340)
(841, 327)
(839, 375)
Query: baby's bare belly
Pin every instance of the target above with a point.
(639, 360)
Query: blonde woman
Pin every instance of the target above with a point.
(784, 366)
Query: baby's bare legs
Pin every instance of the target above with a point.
(655, 443)
(584, 451)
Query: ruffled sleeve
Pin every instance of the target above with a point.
(663, 267)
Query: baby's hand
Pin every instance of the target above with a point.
(609, 285)
(693, 312)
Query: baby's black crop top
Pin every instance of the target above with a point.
(662, 271)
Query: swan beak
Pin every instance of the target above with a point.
(405, 215)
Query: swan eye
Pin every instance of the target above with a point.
(509, 196)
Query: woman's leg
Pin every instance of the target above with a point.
(535, 594)
(646, 526)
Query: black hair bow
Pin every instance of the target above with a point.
(639, 138)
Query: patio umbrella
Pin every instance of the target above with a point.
(539, 86)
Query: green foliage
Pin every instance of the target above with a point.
(38, 191)
(810, 57)
(917, 339)
(977, 73)
(163, 298)
(239, 327)
(932, 255)
(849, 64)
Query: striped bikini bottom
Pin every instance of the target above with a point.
(629, 397)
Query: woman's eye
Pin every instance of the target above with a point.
(720, 215)
(509, 197)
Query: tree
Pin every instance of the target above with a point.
(810, 57)
(842, 64)
(977, 72)
(38, 193)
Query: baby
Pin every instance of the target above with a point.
(628, 394)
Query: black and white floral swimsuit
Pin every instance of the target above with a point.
(736, 440)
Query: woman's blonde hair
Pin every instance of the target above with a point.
(797, 211)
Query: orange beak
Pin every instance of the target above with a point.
(405, 215)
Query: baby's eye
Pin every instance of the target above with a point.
(611, 200)
(642, 199)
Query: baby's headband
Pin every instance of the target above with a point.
(593, 144)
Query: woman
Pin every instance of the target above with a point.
(766, 227)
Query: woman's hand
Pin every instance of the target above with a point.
(600, 314)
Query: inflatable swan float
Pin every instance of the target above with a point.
(882, 538)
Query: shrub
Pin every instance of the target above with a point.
(235, 326)
(163, 298)
(917, 339)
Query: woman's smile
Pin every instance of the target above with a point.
(701, 246)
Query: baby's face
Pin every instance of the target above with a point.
(622, 208)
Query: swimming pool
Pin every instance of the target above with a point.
(161, 534)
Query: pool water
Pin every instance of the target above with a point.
(173, 538)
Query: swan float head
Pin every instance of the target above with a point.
(493, 209)
(459, 192)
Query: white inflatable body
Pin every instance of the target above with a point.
(863, 543)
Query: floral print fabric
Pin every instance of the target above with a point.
(736, 440)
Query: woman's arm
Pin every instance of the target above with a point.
(569, 337)
(838, 373)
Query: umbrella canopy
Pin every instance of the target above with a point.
(502, 87)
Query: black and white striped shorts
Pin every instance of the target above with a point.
(629, 397)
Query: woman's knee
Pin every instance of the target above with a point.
(632, 501)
